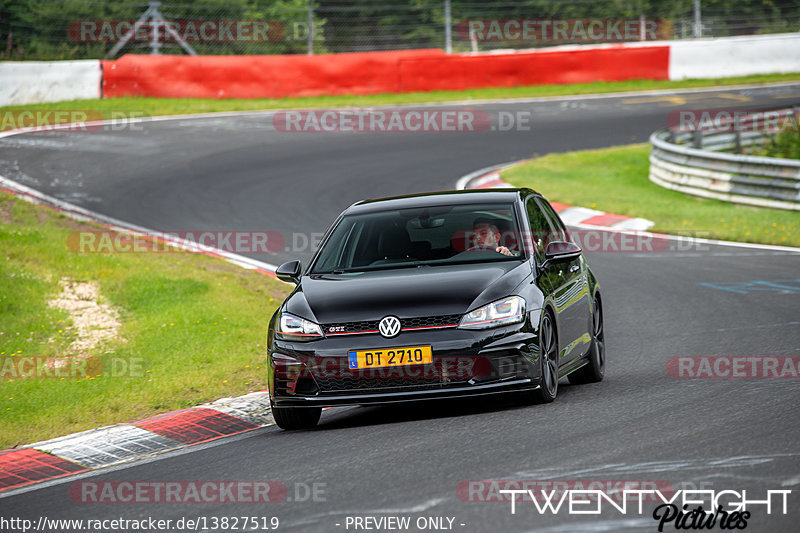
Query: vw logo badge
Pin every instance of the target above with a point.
(389, 326)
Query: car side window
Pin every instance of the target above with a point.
(539, 229)
(558, 232)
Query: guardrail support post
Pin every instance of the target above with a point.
(310, 43)
(448, 36)
(698, 21)
(697, 139)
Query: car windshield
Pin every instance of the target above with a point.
(437, 235)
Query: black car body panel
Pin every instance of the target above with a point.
(327, 298)
(430, 296)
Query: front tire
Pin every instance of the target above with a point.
(548, 359)
(595, 370)
(291, 418)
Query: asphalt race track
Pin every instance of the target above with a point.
(238, 173)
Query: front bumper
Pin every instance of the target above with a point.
(465, 363)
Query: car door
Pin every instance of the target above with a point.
(573, 297)
(550, 278)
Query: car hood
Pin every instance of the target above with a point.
(405, 292)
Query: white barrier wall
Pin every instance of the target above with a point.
(734, 56)
(35, 82)
(31, 82)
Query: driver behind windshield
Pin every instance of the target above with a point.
(486, 234)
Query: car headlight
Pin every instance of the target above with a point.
(294, 328)
(500, 313)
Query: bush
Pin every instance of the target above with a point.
(785, 145)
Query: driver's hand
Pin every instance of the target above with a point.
(503, 250)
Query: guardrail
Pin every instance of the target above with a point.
(703, 170)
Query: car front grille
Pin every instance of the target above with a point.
(442, 372)
(341, 385)
(406, 324)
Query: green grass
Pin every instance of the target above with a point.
(173, 106)
(785, 144)
(615, 180)
(195, 327)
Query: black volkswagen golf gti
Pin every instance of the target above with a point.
(435, 295)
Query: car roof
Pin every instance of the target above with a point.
(439, 198)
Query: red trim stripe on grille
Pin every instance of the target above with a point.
(431, 327)
(403, 329)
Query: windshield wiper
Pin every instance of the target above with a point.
(337, 271)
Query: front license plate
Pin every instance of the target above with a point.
(408, 355)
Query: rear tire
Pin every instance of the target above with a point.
(595, 370)
(291, 418)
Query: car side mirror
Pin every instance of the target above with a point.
(289, 272)
(558, 251)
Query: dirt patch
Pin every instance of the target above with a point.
(42, 216)
(95, 323)
(6, 208)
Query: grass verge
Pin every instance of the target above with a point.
(193, 329)
(615, 180)
(120, 107)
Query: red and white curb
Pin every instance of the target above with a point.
(490, 178)
(120, 443)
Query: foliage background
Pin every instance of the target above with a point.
(37, 29)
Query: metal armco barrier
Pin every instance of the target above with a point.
(691, 162)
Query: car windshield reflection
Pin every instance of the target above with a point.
(407, 238)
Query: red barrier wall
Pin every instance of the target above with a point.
(255, 76)
(534, 68)
(373, 72)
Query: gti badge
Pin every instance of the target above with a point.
(389, 326)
